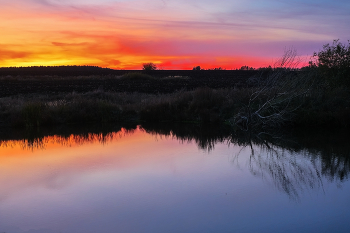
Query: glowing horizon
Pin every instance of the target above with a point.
(124, 34)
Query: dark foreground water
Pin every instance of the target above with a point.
(163, 180)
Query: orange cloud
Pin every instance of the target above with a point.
(118, 35)
(8, 54)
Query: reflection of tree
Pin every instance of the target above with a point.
(292, 167)
(336, 167)
(205, 136)
(287, 171)
(293, 163)
(330, 147)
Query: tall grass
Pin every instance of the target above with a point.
(200, 105)
(285, 96)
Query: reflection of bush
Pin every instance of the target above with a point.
(297, 162)
(285, 169)
(205, 136)
(293, 163)
(331, 147)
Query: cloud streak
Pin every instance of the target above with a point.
(173, 34)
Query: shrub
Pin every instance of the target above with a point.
(149, 66)
(334, 63)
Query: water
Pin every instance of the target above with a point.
(159, 180)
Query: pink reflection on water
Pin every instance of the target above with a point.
(132, 181)
(68, 179)
(55, 161)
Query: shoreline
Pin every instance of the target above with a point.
(275, 100)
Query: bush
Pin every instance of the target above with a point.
(149, 66)
(334, 63)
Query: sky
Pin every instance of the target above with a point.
(173, 34)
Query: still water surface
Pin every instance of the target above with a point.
(147, 181)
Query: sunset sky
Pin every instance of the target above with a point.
(174, 34)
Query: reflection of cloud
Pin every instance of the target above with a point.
(55, 169)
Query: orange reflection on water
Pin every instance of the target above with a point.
(49, 142)
(55, 161)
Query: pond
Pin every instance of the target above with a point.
(161, 179)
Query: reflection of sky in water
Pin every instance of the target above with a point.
(135, 183)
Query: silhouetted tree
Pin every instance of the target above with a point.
(246, 68)
(149, 66)
(217, 68)
(274, 99)
(334, 63)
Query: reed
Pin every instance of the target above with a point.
(282, 99)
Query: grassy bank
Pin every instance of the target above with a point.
(201, 105)
(280, 100)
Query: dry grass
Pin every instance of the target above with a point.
(204, 105)
(201, 105)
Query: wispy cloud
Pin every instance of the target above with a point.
(126, 33)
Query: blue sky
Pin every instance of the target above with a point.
(173, 34)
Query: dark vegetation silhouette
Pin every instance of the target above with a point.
(55, 70)
(261, 99)
(246, 68)
(273, 98)
(333, 62)
(149, 66)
